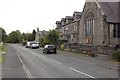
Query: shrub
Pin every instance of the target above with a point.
(62, 47)
(24, 43)
(116, 55)
(67, 50)
(76, 50)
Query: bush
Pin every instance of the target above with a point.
(24, 43)
(62, 47)
(76, 50)
(67, 49)
(116, 55)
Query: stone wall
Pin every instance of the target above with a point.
(101, 49)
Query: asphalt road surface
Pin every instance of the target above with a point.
(36, 64)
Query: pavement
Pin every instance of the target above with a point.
(12, 67)
(21, 62)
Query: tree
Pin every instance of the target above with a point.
(42, 41)
(33, 35)
(24, 36)
(4, 35)
(52, 37)
(15, 37)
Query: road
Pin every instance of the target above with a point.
(39, 65)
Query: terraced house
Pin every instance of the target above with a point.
(98, 27)
(69, 27)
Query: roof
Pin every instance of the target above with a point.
(58, 22)
(42, 33)
(69, 17)
(77, 13)
(111, 11)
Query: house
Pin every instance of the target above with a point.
(40, 34)
(99, 25)
(69, 27)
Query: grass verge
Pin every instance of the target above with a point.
(83, 55)
(3, 48)
(114, 61)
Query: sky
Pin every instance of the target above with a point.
(26, 15)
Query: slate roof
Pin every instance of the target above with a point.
(77, 13)
(111, 11)
(58, 22)
(42, 33)
(69, 17)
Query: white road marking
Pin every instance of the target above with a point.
(55, 61)
(34, 53)
(25, 67)
(81, 60)
(81, 72)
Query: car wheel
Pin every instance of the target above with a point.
(55, 52)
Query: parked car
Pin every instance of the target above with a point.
(34, 45)
(28, 45)
(49, 49)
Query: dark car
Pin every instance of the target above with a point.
(49, 49)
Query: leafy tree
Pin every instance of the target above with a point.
(52, 37)
(15, 37)
(4, 35)
(25, 36)
(42, 41)
(29, 37)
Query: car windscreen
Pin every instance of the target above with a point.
(51, 47)
(34, 43)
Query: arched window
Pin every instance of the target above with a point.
(89, 24)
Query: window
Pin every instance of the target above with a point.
(118, 30)
(66, 29)
(63, 30)
(89, 27)
(114, 31)
(75, 28)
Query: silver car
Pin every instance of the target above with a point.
(28, 45)
(34, 45)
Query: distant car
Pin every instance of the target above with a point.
(34, 45)
(49, 49)
(28, 45)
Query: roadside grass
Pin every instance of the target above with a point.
(83, 55)
(114, 61)
(3, 48)
(118, 70)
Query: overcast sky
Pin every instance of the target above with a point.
(26, 15)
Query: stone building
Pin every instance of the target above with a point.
(69, 27)
(40, 34)
(97, 28)
(99, 24)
